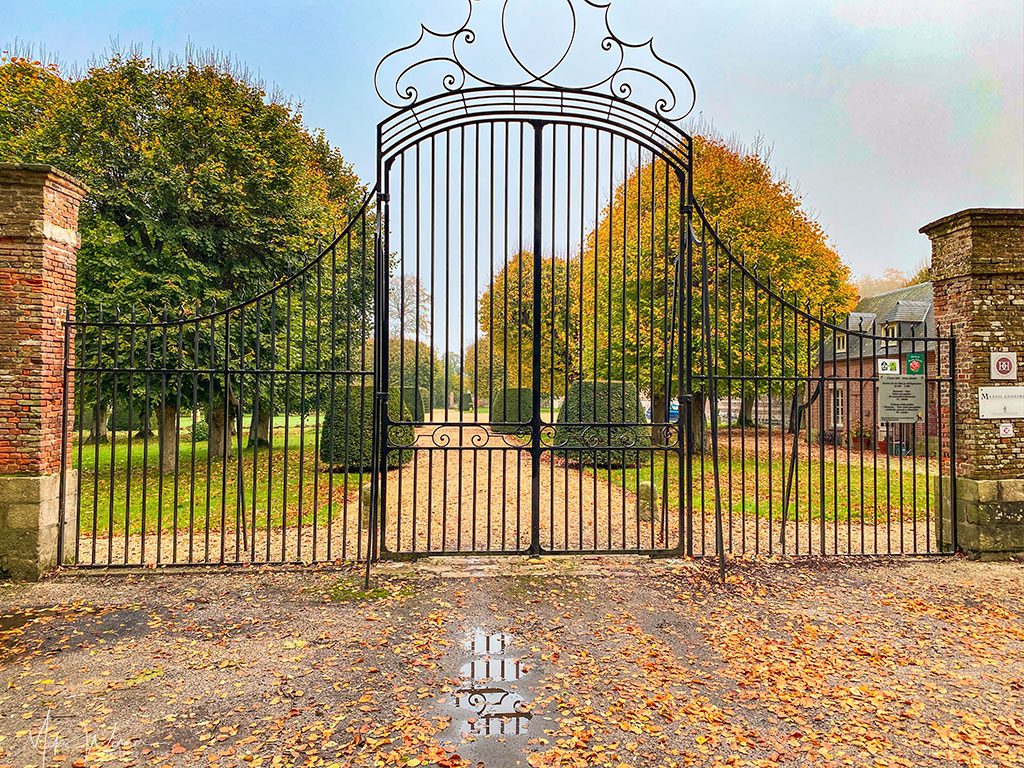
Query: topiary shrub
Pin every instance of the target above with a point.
(466, 402)
(415, 399)
(425, 399)
(601, 403)
(346, 440)
(511, 405)
(201, 431)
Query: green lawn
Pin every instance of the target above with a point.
(213, 484)
(752, 487)
(206, 491)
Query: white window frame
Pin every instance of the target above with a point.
(891, 331)
(838, 406)
(842, 344)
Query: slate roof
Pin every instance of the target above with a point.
(911, 305)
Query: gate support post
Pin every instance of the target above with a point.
(39, 243)
(978, 279)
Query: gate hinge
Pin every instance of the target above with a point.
(384, 197)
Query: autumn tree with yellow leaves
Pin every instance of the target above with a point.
(630, 277)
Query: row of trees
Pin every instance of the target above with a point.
(203, 190)
(607, 312)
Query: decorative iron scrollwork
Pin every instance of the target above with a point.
(669, 91)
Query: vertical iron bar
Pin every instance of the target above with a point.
(535, 422)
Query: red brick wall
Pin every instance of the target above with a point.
(978, 276)
(857, 378)
(38, 247)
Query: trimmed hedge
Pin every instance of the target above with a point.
(123, 420)
(602, 402)
(415, 399)
(466, 402)
(351, 449)
(511, 405)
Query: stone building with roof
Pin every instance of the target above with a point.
(888, 326)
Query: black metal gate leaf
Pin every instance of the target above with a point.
(217, 422)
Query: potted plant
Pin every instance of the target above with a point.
(860, 436)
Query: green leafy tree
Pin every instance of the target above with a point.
(202, 190)
(485, 370)
(629, 277)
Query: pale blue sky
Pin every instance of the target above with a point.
(886, 114)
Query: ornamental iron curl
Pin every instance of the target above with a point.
(673, 98)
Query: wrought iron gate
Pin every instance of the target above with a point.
(530, 339)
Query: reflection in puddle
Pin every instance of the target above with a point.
(488, 689)
(484, 643)
(495, 670)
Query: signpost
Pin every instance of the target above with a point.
(901, 399)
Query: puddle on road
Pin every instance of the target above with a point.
(484, 643)
(493, 670)
(492, 698)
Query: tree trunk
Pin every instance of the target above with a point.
(145, 424)
(259, 428)
(659, 415)
(98, 427)
(167, 432)
(699, 422)
(220, 432)
(748, 413)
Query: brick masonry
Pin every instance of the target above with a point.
(38, 252)
(978, 278)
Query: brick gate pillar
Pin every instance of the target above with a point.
(978, 278)
(38, 253)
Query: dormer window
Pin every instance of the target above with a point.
(841, 343)
(891, 331)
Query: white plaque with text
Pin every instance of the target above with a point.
(1001, 403)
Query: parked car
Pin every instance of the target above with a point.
(673, 411)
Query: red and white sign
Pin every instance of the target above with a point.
(1004, 366)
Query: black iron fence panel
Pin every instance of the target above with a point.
(530, 339)
(238, 435)
(824, 434)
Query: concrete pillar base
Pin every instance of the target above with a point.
(29, 524)
(990, 517)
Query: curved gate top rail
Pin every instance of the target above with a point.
(491, 105)
(634, 89)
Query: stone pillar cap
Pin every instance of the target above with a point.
(972, 214)
(43, 168)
